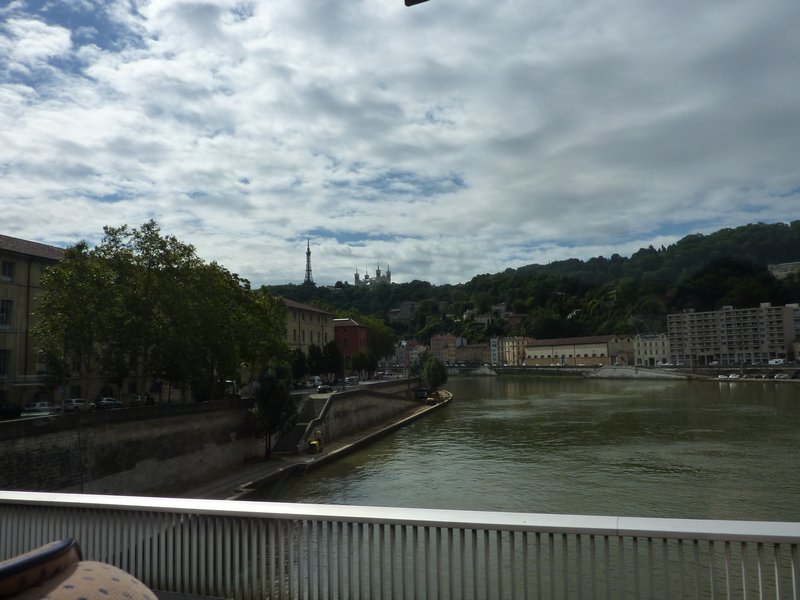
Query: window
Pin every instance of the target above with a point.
(7, 271)
(5, 313)
(5, 362)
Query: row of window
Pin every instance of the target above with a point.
(310, 336)
(320, 318)
(594, 355)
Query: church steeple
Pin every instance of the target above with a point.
(308, 280)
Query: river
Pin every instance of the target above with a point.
(711, 450)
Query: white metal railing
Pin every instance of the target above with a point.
(307, 551)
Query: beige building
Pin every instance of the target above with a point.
(732, 336)
(444, 347)
(511, 350)
(650, 350)
(472, 354)
(21, 370)
(307, 326)
(593, 350)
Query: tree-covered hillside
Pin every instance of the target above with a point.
(598, 296)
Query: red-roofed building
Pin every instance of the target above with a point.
(350, 336)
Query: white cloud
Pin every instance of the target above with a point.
(447, 139)
(32, 42)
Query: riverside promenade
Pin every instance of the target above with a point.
(239, 483)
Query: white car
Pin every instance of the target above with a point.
(77, 404)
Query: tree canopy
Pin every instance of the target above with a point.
(597, 296)
(145, 303)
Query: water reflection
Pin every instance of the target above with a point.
(673, 449)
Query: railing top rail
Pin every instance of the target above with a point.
(690, 529)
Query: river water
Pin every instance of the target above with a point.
(711, 450)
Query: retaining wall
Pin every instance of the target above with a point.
(131, 451)
(353, 411)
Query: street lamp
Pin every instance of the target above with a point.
(413, 2)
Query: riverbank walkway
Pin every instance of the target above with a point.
(249, 477)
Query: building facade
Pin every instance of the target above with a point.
(732, 336)
(581, 351)
(650, 349)
(307, 325)
(473, 354)
(21, 368)
(404, 312)
(511, 350)
(407, 354)
(784, 270)
(444, 347)
(350, 336)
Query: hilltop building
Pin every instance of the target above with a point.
(783, 270)
(22, 372)
(379, 278)
(404, 312)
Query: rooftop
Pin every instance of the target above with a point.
(28, 248)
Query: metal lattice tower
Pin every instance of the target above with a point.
(308, 280)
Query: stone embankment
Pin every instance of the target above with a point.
(624, 372)
(250, 480)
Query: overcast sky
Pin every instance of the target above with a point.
(448, 139)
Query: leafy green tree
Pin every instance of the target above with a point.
(332, 362)
(72, 313)
(359, 362)
(316, 361)
(145, 303)
(298, 364)
(434, 372)
(275, 408)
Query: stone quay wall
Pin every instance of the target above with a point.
(354, 411)
(131, 451)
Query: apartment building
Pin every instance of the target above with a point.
(21, 370)
(650, 350)
(732, 336)
(444, 347)
(510, 351)
(307, 325)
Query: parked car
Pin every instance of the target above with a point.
(77, 404)
(106, 403)
(40, 408)
(352, 380)
(324, 389)
(10, 411)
